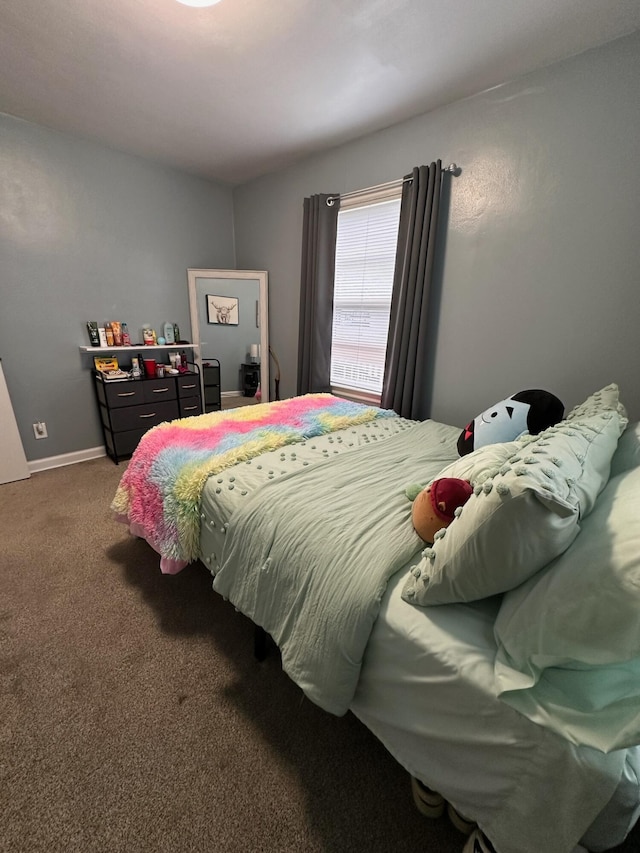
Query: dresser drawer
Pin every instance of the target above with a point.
(145, 416)
(159, 389)
(188, 386)
(189, 406)
(121, 393)
(123, 443)
(212, 397)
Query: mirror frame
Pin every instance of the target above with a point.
(263, 277)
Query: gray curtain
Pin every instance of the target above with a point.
(320, 228)
(404, 387)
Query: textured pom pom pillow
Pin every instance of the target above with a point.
(607, 399)
(524, 513)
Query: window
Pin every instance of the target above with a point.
(365, 261)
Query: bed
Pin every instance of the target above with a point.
(499, 665)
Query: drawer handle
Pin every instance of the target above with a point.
(189, 408)
(188, 386)
(159, 390)
(152, 415)
(126, 394)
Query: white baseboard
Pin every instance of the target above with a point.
(231, 394)
(66, 459)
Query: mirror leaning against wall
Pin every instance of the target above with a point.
(230, 324)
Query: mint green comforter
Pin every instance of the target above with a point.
(308, 556)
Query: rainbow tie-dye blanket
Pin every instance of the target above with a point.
(159, 494)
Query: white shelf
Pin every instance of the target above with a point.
(138, 348)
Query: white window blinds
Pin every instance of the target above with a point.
(365, 260)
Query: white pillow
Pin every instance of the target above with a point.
(521, 518)
(569, 638)
(627, 453)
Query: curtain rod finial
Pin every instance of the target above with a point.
(453, 168)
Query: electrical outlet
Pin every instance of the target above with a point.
(40, 430)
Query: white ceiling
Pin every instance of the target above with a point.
(249, 86)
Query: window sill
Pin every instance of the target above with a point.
(356, 396)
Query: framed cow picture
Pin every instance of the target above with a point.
(222, 310)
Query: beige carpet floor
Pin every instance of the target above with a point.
(133, 716)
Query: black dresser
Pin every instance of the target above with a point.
(128, 409)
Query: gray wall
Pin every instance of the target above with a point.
(87, 233)
(541, 262)
(540, 259)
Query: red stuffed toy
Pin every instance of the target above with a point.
(435, 506)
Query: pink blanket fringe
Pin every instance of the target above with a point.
(168, 566)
